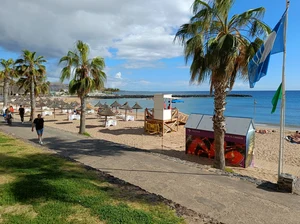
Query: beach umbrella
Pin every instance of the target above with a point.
(122, 107)
(106, 112)
(41, 104)
(115, 104)
(74, 104)
(62, 105)
(105, 106)
(99, 104)
(67, 106)
(136, 106)
(126, 107)
(54, 104)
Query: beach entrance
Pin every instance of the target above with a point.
(238, 144)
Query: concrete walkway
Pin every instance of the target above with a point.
(226, 199)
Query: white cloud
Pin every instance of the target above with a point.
(118, 75)
(138, 30)
(142, 64)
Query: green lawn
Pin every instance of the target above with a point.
(38, 187)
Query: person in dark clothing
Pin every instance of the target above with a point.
(21, 113)
(39, 127)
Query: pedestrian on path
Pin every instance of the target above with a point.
(21, 113)
(11, 109)
(39, 127)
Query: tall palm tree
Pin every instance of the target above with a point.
(220, 48)
(7, 74)
(87, 75)
(32, 71)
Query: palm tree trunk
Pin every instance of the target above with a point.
(5, 92)
(219, 125)
(32, 100)
(82, 115)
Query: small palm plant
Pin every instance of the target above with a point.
(86, 75)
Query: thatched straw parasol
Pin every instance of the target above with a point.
(106, 112)
(126, 107)
(105, 106)
(136, 106)
(41, 104)
(99, 104)
(54, 104)
(74, 104)
(67, 106)
(115, 104)
(122, 107)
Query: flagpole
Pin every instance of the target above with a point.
(282, 111)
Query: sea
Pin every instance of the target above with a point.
(258, 106)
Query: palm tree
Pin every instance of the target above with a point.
(41, 86)
(7, 74)
(220, 48)
(32, 72)
(87, 75)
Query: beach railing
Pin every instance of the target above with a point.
(182, 118)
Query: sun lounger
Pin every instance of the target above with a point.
(128, 117)
(46, 113)
(111, 123)
(90, 111)
(67, 111)
(74, 117)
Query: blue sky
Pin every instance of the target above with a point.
(135, 39)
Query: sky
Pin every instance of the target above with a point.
(134, 37)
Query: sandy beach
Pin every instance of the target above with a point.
(131, 133)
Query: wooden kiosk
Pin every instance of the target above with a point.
(162, 118)
(238, 142)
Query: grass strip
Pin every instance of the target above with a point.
(39, 187)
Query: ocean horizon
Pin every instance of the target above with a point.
(258, 107)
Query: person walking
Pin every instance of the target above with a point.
(11, 109)
(39, 127)
(21, 113)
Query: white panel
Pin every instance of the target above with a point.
(158, 114)
(234, 125)
(193, 121)
(167, 115)
(206, 123)
(168, 96)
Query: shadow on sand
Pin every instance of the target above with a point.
(124, 131)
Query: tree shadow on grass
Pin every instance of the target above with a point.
(42, 178)
(38, 177)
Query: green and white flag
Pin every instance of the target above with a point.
(276, 97)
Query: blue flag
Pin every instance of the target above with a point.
(258, 66)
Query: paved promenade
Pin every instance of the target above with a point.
(229, 200)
